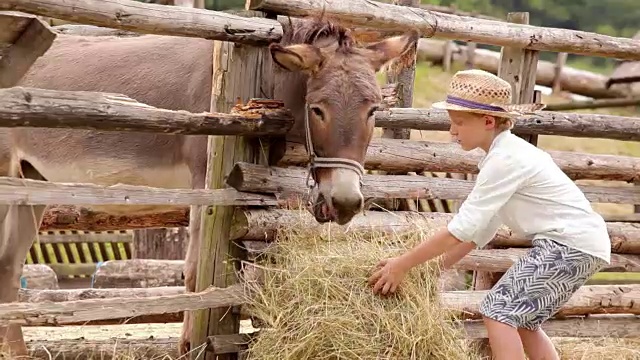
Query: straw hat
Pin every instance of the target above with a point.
(482, 92)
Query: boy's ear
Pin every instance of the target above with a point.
(490, 121)
(388, 49)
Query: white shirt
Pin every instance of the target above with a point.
(520, 186)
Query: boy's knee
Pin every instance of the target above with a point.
(529, 331)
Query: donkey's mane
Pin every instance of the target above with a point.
(312, 29)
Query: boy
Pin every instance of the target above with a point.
(518, 185)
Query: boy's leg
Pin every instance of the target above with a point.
(535, 288)
(504, 340)
(537, 345)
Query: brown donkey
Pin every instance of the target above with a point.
(326, 80)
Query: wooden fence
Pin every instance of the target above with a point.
(226, 213)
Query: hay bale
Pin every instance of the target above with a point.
(314, 299)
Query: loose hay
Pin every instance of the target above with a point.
(597, 349)
(316, 304)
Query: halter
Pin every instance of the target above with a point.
(325, 162)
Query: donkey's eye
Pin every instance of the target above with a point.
(317, 111)
(372, 111)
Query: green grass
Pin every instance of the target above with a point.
(615, 277)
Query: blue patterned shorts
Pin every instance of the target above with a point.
(539, 284)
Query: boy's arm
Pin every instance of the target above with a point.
(458, 252)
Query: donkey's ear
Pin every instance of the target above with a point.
(388, 49)
(301, 57)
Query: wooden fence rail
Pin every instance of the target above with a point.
(154, 19)
(290, 182)
(389, 17)
(158, 19)
(574, 330)
(624, 128)
(18, 191)
(402, 156)
(31, 107)
(590, 299)
(573, 80)
(263, 225)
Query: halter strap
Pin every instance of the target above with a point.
(325, 162)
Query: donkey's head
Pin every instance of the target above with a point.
(331, 87)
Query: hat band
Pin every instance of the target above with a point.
(472, 104)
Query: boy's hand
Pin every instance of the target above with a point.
(388, 275)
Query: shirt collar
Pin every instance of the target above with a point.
(496, 141)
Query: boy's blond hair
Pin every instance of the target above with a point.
(503, 124)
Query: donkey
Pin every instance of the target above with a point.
(323, 76)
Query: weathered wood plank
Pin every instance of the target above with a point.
(139, 273)
(92, 30)
(104, 349)
(113, 308)
(290, 182)
(239, 72)
(391, 17)
(165, 346)
(17, 191)
(31, 107)
(500, 260)
(263, 225)
(595, 104)
(40, 296)
(543, 123)
(574, 327)
(589, 299)
(67, 217)
(576, 81)
(489, 260)
(62, 295)
(413, 155)
(154, 19)
(32, 42)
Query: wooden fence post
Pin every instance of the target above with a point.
(402, 71)
(519, 68)
(162, 243)
(240, 72)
